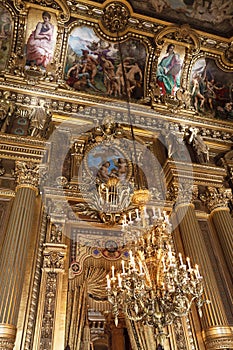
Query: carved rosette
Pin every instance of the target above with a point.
(27, 174)
(115, 18)
(216, 198)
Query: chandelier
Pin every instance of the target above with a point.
(154, 286)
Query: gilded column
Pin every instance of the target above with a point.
(217, 203)
(14, 250)
(214, 321)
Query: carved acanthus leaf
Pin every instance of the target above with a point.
(216, 197)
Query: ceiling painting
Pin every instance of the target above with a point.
(213, 16)
(94, 65)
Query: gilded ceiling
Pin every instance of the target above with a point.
(213, 16)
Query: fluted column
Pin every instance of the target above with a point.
(14, 251)
(214, 321)
(217, 203)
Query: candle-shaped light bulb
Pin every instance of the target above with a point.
(181, 260)
(133, 263)
(113, 272)
(123, 266)
(188, 261)
(197, 271)
(137, 215)
(108, 282)
(130, 255)
(119, 280)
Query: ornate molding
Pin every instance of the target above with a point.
(7, 336)
(27, 174)
(36, 286)
(55, 235)
(116, 17)
(215, 198)
(184, 192)
(54, 257)
(184, 33)
(218, 337)
(222, 343)
(180, 334)
(48, 319)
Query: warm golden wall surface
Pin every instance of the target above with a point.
(96, 98)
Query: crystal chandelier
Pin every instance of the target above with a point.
(154, 287)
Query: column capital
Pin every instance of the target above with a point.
(216, 198)
(183, 193)
(27, 174)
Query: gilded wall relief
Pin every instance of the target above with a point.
(5, 36)
(169, 69)
(94, 65)
(211, 89)
(40, 38)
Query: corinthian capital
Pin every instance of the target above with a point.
(183, 193)
(216, 197)
(27, 174)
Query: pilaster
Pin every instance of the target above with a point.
(50, 325)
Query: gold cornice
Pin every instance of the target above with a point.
(82, 100)
(21, 148)
(202, 174)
